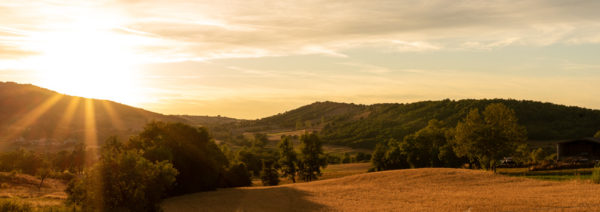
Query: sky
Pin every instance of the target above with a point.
(254, 58)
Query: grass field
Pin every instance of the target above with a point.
(430, 189)
(24, 188)
(556, 175)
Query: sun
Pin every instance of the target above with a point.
(88, 58)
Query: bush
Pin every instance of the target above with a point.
(236, 176)
(14, 206)
(596, 174)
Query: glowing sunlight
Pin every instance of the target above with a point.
(87, 58)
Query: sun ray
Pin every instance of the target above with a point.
(62, 128)
(32, 116)
(114, 118)
(91, 132)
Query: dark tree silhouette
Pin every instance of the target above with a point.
(288, 159)
(312, 158)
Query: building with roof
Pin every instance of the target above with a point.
(583, 149)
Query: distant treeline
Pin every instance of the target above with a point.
(365, 125)
(480, 139)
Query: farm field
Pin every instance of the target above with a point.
(428, 189)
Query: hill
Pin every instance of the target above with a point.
(35, 117)
(431, 189)
(207, 120)
(365, 125)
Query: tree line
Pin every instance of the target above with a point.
(481, 139)
(168, 159)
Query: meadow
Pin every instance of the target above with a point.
(426, 189)
(24, 188)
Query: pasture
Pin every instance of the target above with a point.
(24, 188)
(428, 189)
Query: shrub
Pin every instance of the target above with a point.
(14, 206)
(596, 174)
(237, 175)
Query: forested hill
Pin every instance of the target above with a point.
(39, 117)
(365, 125)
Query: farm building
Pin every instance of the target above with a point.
(583, 149)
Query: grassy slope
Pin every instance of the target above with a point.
(24, 187)
(431, 189)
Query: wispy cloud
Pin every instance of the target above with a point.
(177, 30)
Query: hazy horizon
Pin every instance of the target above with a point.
(252, 59)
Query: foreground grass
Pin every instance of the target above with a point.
(23, 189)
(430, 189)
(584, 174)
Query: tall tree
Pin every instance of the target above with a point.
(312, 158)
(489, 136)
(122, 180)
(268, 174)
(288, 159)
(426, 144)
(200, 162)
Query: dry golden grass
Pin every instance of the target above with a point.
(431, 189)
(24, 187)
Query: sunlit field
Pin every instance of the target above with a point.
(428, 189)
(25, 188)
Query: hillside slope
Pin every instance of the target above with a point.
(431, 189)
(37, 117)
(365, 125)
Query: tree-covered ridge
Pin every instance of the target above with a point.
(365, 125)
(308, 116)
(543, 121)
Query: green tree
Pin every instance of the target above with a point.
(122, 180)
(426, 144)
(200, 162)
(237, 175)
(378, 156)
(260, 140)
(312, 158)
(288, 158)
(268, 174)
(346, 158)
(43, 172)
(489, 136)
(251, 159)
